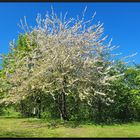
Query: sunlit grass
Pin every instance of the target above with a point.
(29, 127)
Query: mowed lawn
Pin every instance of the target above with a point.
(31, 127)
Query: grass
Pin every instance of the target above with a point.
(31, 127)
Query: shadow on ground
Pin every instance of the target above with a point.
(6, 134)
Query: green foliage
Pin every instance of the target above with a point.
(126, 104)
(10, 112)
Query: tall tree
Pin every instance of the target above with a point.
(61, 57)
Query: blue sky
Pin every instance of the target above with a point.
(121, 20)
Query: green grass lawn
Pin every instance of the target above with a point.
(31, 127)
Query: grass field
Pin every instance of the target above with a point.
(31, 127)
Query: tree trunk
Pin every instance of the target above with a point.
(64, 112)
(22, 108)
(38, 107)
(99, 107)
(39, 111)
(62, 106)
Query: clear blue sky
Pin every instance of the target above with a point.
(121, 20)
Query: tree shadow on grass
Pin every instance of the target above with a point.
(14, 134)
(67, 124)
(11, 117)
